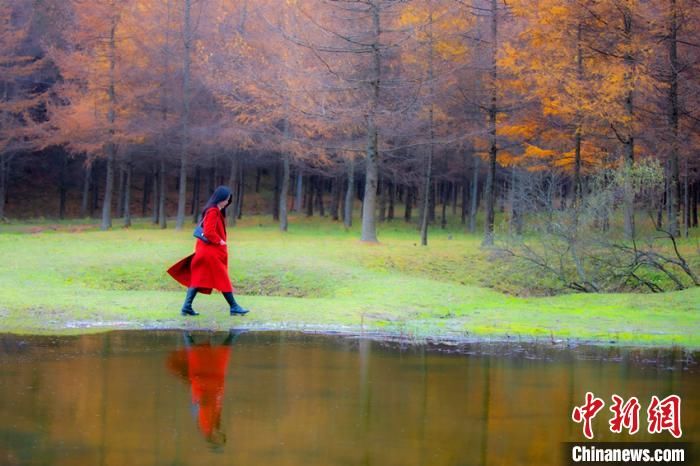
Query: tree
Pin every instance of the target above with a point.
(561, 121)
(95, 72)
(23, 97)
(432, 61)
(354, 43)
(187, 38)
(621, 42)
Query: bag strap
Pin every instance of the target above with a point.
(201, 222)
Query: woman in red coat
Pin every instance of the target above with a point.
(207, 268)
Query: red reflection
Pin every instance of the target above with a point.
(203, 366)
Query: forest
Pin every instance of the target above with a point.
(505, 112)
(437, 232)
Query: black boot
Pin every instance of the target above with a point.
(187, 307)
(236, 309)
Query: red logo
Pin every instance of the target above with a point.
(624, 415)
(661, 415)
(586, 412)
(665, 415)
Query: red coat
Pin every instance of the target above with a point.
(207, 268)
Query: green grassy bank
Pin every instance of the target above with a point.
(70, 278)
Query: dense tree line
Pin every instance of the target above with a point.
(139, 107)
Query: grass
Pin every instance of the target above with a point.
(69, 277)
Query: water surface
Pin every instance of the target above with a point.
(271, 398)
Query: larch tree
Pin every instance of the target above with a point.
(23, 97)
(622, 41)
(432, 59)
(187, 41)
(674, 31)
(357, 45)
(97, 84)
(154, 36)
(551, 65)
(493, 109)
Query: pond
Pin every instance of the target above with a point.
(276, 398)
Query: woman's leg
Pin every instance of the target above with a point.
(187, 306)
(236, 309)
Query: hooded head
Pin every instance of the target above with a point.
(222, 193)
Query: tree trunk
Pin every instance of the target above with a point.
(425, 209)
(258, 175)
(335, 197)
(465, 190)
(127, 194)
(233, 182)
(309, 198)
(276, 193)
(465, 201)
(94, 204)
(283, 184)
(369, 200)
(145, 194)
(319, 196)
(162, 214)
(503, 193)
(696, 200)
(63, 188)
(629, 137)
(211, 181)
(392, 196)
(241, 192)
(111, 148)
(520, 203)
(475, 193)
(349, 194)
(299, 191)
(686, 201)
(628, 190)
(159, 213)
(154, 193)
(195, 191)
(196, 188)
(490, 188)
(428, 206)
(305, 196)
(87, 177)
(109, 186)
(120, 190)
(182, 195)
(453, 190)
(576, 192)
(284, 192)
(662, 201)
(408, 206)
(445, 197)
(673, 194)
(215, 173)
(432, 200)
(3, 185)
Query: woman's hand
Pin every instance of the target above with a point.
(222, 243)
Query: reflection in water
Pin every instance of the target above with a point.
(203, 367)
(292, 399)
